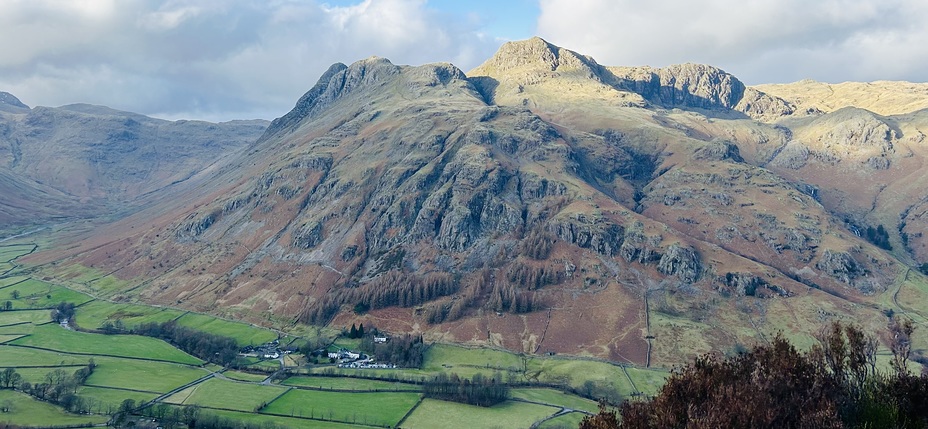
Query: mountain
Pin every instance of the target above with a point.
(542, 203)
(79, 161)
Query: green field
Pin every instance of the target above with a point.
(570, 372)
(20, 329)
(445, 357)
(566, 421)
(37, 375)
(4, 338)
(347, 383)
(265, 365)
(229, 395)
(434, 414)
(362, 408)
(150, 376)
(11, 252)
(25, 316)
(94, 314)
(12, 356)
(243, 333)
(7, 281)
(556, 397)
(54, 337)
(244, 376)
(38, 294)
(290, 422)
(26, 411)
(107, 401)
(408, 374)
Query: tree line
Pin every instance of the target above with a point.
(407, 351)
(834, 385)
(478, 390)
(213, 348)
(192, 417)
(59, 387)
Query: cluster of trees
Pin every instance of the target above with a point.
(878, 236)
(59, 387)
(834, 385)
(62, 312)
(193, 417)
(407, 351)
(9, 378)
(393, 288)
(534, 277)
(512, 299)
(204, 345)
(479, 390)
(355, 332)
(537, 244)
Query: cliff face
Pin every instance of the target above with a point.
(541, 202)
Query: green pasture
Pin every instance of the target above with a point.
(347, 383)
(229, 395)
(265, 365)
(566, 421)
(38, 294)
(54, 337)
(7, 281)
(648, 380)
(4, 338)
(445, 357)
(107, 401)
(35, 317)
(575, 372)
(18, 329)
(244, 376)
(290, 422)
(94, 314)
(10, 252)
(6, 267)
(149, 376)
(243, 333)
(557, 370)
(26, 411)
(363, 408)
(408, 374)
(12, 356)
(556, 397)
(37, 375)
(434, 414)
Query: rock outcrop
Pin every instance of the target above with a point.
(681, 261)
(698, 86)
(839, 265)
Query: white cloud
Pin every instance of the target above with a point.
(216, 59)
(757, 40)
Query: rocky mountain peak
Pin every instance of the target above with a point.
(9, 99)
(698, 86)
(341, 81)
(534, 53)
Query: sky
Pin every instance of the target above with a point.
(219, 60)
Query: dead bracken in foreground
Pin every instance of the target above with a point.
(834, 385)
